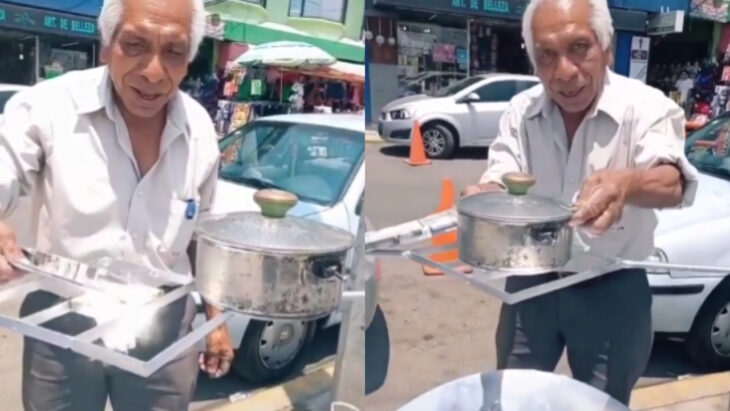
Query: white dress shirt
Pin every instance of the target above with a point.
(631, 126)
(67, 136)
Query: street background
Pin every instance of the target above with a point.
(441, 329)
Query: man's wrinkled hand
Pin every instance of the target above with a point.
(217, 359)
(9, 251)
(602, 199)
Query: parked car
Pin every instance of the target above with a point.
(7, 91)
(320, 158)
(427, 82)
(464, 114)
(697, 309)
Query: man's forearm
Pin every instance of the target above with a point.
(658, 187)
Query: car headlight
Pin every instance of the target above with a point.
(658, 256)
(401, 114)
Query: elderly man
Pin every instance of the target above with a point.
(124, 163)
(615, 146)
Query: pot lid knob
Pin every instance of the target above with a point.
(518, 183)
(275, 203)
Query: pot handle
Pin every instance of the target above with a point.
(518, 183)
(275, 203)
(327, 267)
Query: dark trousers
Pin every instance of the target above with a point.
(56, 379)
(605, 324)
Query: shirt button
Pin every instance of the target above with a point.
(140, 194)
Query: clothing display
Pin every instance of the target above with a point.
(238, 94)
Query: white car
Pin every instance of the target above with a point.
(320, 158)
(428, 82)
(464, 114)
(698, 308)
(7, 91)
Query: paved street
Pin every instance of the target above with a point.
(435, 328)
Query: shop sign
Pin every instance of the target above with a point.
(639, 57)
(666, 23)
(715, 10)
(512, 9)
(37, 20)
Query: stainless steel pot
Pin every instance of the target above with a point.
(514, 231)
(271, 266)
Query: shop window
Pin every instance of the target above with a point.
(497, 92)
(333, 10)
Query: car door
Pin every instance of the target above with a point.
(494, 98)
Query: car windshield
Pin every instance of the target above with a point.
(314, 162)
(707, 148)
(456, 87)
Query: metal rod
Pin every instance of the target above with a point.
(33, 331)
(19, 287)
(99, 331)
(472, 279)
(49, 313)
(178, 347)
(111, 357)
(705, 269)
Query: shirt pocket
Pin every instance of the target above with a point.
(178, 232)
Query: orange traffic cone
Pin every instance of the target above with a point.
(418, 152)
(447, 201)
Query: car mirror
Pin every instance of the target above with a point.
(471, 98)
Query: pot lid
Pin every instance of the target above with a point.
(515, 205)
(273, 231)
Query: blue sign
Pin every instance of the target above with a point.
(88, 8)
(461, 57)
(37, 20)
(512, 9)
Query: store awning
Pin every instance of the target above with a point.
(345, 49)
(353, 73)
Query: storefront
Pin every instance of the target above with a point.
(235, 95)
(38, 44)
(437, 42)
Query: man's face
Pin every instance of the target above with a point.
(148, 57)
(568, 56)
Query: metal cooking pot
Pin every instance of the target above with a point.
(514, 231)
(271, 266)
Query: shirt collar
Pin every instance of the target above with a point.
(96, 94)
(608, 102)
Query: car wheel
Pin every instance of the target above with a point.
(271, 350)
(708, 342)
(438, 141)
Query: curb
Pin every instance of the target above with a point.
(372, 137)
(285, 396)
(680, 391)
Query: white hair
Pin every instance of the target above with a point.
(112, 12)
(601, 22)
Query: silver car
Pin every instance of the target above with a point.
(464, 114)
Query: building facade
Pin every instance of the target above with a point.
(41, 39)
(333, 25)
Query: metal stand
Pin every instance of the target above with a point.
(88, 343)
(349, 379)
(490, 281)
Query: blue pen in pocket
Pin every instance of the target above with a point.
(191, 209)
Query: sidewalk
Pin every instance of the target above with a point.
(372, 137)
(702, 393)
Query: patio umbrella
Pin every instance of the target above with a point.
(286, 54)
